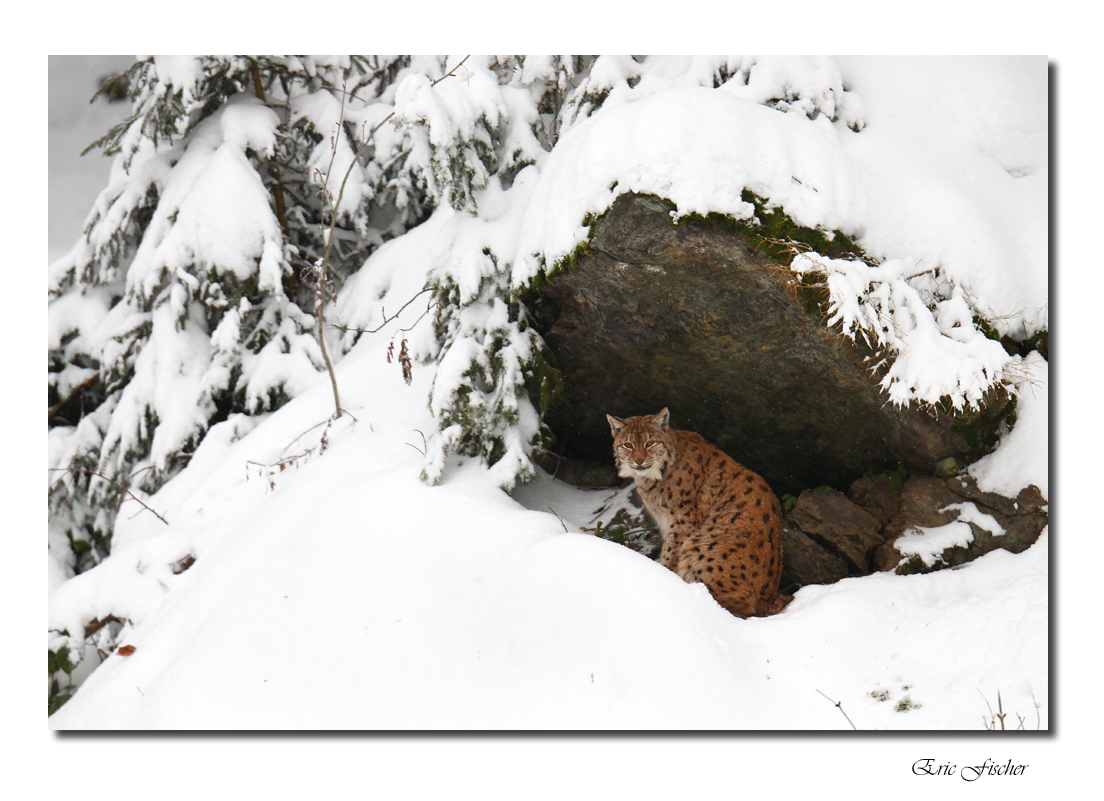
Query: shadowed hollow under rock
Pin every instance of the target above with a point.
(690, 317)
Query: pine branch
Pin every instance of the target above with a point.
(278, 190)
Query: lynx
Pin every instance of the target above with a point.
(719, 521)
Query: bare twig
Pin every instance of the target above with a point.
(404, 354)
(423, 450)
(393, 317)
(1000, 715)
(789, 245)
(320, 291)
(839, 706)
(323, 423)
(109, 481)
(282, 464)
(991, 721)
(562, 523)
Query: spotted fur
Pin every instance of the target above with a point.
(720, 522)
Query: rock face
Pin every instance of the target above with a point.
(690, 317)
(828, 517)
(923, 503)
(829, 535)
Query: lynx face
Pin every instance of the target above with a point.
(642, 446)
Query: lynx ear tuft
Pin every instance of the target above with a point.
(662, 419)
(615, 424)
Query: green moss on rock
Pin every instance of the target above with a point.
(981, 427)
(774, 234)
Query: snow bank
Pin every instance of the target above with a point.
(353, 596)
(1023, 457)
(700, 149)
(949, 169)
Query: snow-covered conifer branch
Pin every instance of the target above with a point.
(924, 325)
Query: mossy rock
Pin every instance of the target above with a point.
(702, 316)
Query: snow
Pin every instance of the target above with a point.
(1023, 458)
(929, 542)
(343, 592)
(205, 215)
(352, 595)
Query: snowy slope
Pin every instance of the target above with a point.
(345, 593)
(354, 596)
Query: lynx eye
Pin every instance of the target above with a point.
(651, 444)
(627, 446)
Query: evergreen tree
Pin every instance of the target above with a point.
(184, 302)
(473, 140)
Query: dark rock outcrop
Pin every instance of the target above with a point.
(828, 535)
(843, 528)
(806, 562)
(923, 503)
(691, 317)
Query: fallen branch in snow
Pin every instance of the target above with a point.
(268, 471)
(109, 481)
(991, 722)
(839, 706)
(325, 434)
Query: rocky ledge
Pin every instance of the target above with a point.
(921, 524)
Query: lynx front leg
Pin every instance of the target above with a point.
(675, 544)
